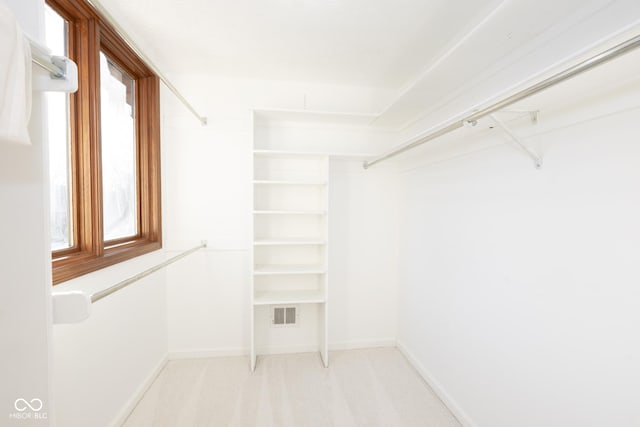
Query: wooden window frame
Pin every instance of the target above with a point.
(88, 34)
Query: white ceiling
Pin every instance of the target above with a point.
(371, 43)
(432, 58)
(520, 41)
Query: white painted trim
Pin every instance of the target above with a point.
(208, 353)
(128, 408)
(449, 402)
(234, 352)
(288, 349)
(237, 351)
(361, 344)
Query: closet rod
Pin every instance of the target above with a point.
(123, 284)
(123, 34)
(566, 74)
(40, 56)
(48, 65)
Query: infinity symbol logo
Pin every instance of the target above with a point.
(22, 405)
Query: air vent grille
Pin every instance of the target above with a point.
(284, 316)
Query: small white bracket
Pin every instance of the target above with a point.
(534, 118)
(45, 81)
(533, 114)
(70, 307)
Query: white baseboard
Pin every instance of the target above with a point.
(229, 352)
(355, 345)
(207, 353)
(139, 393)
(449, 402)
(287, 349)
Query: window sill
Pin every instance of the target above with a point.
(78, 264)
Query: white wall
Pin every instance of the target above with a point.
(208, 192)
(104, 363)
(363, 255)
(25, 314)
(519, 287)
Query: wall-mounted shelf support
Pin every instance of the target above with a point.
(533, 114)
(534, 117)
(457, 123)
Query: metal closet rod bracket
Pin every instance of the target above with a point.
(537, 160)
(600, 58)
(533, 114)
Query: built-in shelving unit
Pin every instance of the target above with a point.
(292, 150)
(290, 234)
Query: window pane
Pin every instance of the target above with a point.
(59, 144)
(119, 195)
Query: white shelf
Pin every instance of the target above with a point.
(289, 255)
(289, 297)
(268, 182)
(290, 241)
(290, 212)
(273, 270)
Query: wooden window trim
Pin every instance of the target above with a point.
(88, 35)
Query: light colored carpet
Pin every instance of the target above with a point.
(372, 387)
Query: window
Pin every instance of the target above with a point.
(117, 113)
(104, 147)
(59, 149)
